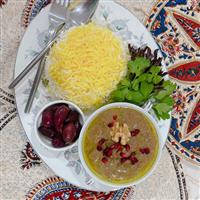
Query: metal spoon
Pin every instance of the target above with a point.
(77, 16)
(82, 13)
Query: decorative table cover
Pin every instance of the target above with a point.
(175, 25)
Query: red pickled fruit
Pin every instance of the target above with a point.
(133, 159)
(99, 148)
(127, 147)
(78, 127)
(135, 132)
(47, 118)
(123, 160)
(111, 124)
(46, 132)
(115, 117)
(104, 160)
(73, 116)
(59, 117)
(145, 150)
(101, 141)
(69, 133)
(123, 155)
(53, 108)
(58, 143)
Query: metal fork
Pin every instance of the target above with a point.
(148, 105)
(57, 15)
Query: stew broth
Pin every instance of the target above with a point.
(113, 169)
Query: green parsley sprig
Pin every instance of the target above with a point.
(145, 81)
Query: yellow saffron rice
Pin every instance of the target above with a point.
(86, 65)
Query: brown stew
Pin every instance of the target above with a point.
(112, 161)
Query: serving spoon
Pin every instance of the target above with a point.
(81, 13)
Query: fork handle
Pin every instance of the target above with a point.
(35, 84)
(35, 60)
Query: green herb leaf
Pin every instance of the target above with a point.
(146, 88)
(125, 82)
(149, 78)
(143, 77)
(155, 70)
(135, 97)
(161, 116)
(135, 84)
(138, 65)
(162, 110)
(169, 87)
(119, 95)
(168, 100)
(157, 79)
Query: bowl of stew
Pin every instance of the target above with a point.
(120, 145)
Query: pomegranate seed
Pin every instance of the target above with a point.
(120, 148)
(115, 117)
(145, 150)
(133, 159)
(109, 153)
(101, 141)
(116, 145)
(111, 124)
(127, 147)
(104, 160)
(123, 160)
(123, 155)
(135, 132)
(99, 148)
(112, 146)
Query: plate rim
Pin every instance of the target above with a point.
(14, 75)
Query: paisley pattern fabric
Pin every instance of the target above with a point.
(24, 169)
(55, 188)
(175, 25)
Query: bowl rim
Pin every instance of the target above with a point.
(37, 134)
(87, 123)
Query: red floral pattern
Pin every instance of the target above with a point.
(191, 27)
(56, 188)
(195, 119)
(189, 71)
(170, 44)
(29, 158)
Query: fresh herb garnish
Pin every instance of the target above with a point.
(145, 81)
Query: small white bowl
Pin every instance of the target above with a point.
(87, 123)
(44, 140)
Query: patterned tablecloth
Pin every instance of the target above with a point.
(175, 25)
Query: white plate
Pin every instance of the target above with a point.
(67, 164)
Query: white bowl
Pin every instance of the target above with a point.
(44, 140)
(87, 123)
